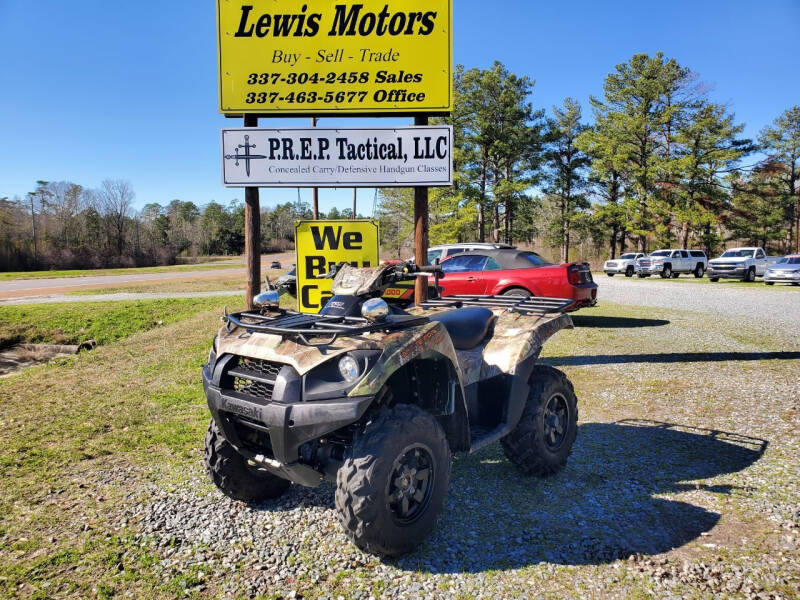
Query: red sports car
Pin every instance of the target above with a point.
(512, 272)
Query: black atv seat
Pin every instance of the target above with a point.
(467, 326)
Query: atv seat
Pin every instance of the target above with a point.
(467, 326)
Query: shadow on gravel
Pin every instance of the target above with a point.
(666, 357)
(601, 508)
(615, 322)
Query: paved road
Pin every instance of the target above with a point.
(18, 288)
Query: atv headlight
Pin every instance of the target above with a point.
(336, 377)
(349, 368)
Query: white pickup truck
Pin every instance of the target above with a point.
(623, 264)
(740, 263)
(671, 263)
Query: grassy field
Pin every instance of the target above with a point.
(10, 275)
(85, 442)
(206, 284)
(104, 322)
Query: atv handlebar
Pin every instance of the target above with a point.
(430, 269)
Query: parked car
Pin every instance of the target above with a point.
(443, 251)
(511, 272)
(740, 263)
(623, 264)
(671, 263)
(275, 265)
(288, 281)
(785, 270)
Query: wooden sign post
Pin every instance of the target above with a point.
(252, 232)
(421, 231)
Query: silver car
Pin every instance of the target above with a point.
(786, 270)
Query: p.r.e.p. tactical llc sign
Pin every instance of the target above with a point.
(327, 157)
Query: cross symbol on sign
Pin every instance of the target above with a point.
(246, 157)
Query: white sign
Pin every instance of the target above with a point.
(327, 157)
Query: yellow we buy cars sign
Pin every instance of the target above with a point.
(323, 244)
(318, 57)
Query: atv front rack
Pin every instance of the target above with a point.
(527, 305)
(306, 327)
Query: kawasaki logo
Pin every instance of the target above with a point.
(251, 412)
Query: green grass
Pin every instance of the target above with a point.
(11, 275)
(104, 322)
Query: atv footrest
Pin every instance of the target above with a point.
(483, 436)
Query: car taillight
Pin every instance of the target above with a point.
(574, 274)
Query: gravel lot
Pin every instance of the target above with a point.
(777, 307)
(683, 481)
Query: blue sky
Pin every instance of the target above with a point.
(94, 89)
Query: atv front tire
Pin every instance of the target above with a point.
(542, 440)
(233, 476)
(393, 482)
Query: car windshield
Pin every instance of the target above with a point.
(534, 259)
(789, 260)
(661, 253)
(737, 254)
(628, 256)
(433, 255)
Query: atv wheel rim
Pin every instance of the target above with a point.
(556, 422)
(411, 484)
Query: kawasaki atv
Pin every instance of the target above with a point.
(378, 398)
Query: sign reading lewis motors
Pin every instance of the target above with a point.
(323, 244)
(302, 57)
(324, 157)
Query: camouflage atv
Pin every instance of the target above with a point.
(378, 399)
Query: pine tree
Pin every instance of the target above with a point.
(782, 141)
(566, 172)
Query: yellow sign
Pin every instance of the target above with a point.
(323, 244)
(315, 57)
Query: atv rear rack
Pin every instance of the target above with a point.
(527, 305)
(305, 327)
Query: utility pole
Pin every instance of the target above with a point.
(421, 231)
(252, 232)
(315, 190)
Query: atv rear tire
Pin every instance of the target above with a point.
(394, 480)
(233, 476)
(542, 440)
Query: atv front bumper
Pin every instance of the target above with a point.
(288, 424)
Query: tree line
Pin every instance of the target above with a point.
(660, 166)
(65, 225)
